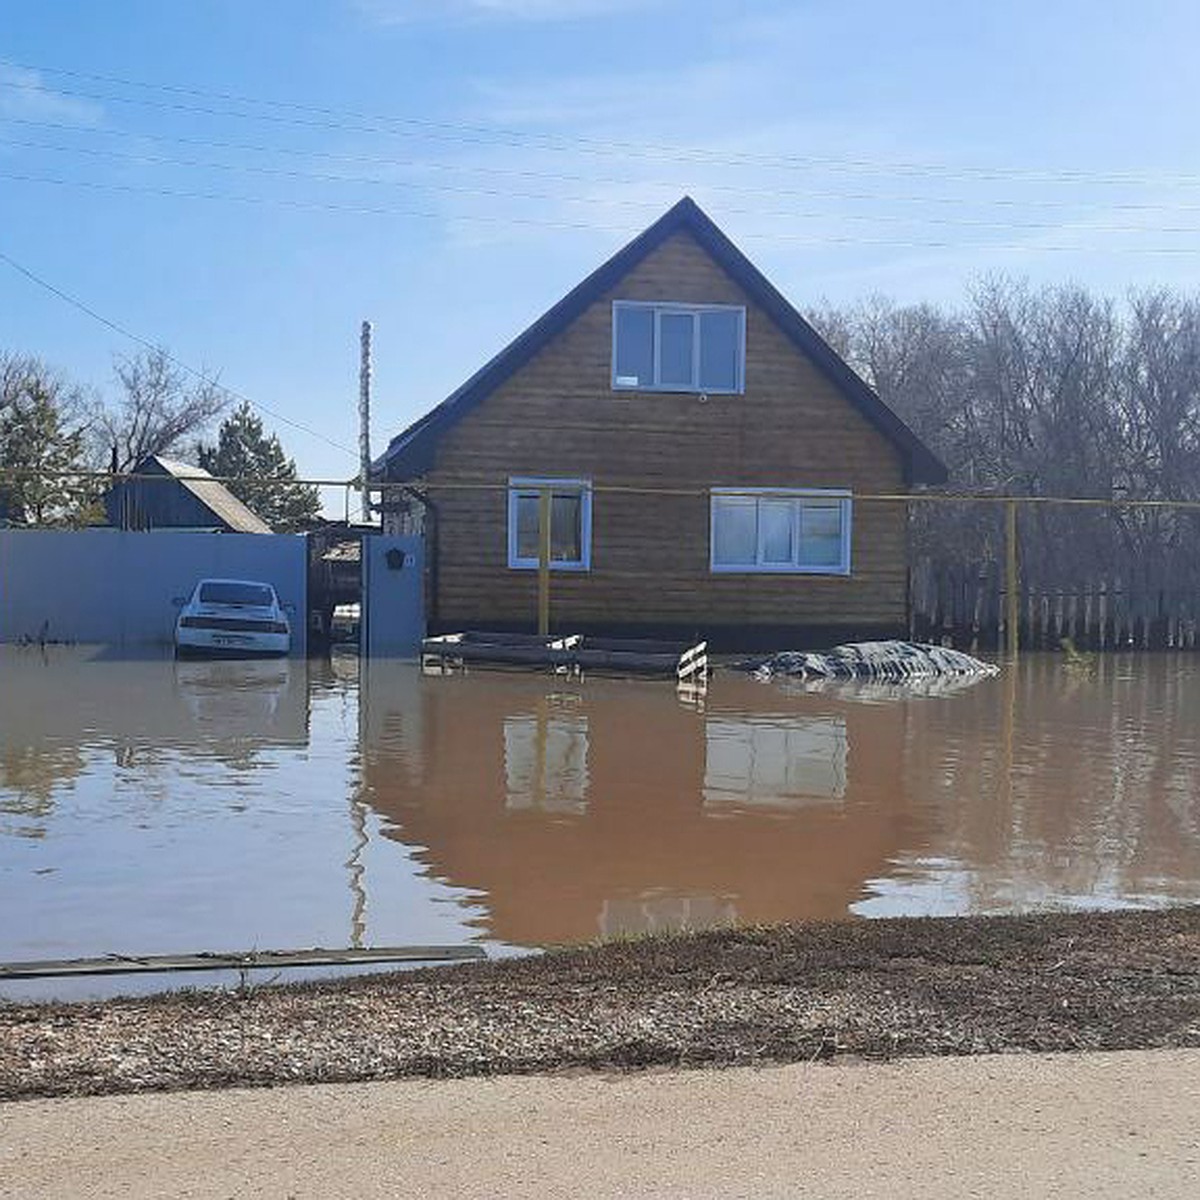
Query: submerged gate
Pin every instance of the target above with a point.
(392, 621)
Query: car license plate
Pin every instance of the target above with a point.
(230, 639)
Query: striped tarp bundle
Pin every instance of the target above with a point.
(891, 661)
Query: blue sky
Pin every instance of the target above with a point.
(244, 183)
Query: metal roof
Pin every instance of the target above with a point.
(413, 452)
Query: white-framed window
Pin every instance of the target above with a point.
(678, 347)
(803, 531)
(570, 523)
(773, 761)
(546, 762)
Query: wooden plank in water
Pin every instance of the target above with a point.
(120, 964)
(485, 638)
(637, 645)
(626, 660)
(512, 655)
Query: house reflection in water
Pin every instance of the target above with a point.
(774, 762)
(604, 807)
(546, 758)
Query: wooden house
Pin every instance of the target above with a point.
(164, 493)
(702, 445)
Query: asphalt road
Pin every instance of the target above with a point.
(1096, 1125)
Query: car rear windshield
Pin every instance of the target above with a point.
(237, 593)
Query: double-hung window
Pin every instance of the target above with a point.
(794, 531)
(570, 523)
(678, 347)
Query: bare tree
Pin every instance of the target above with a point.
(1046, 392)
(158, 411)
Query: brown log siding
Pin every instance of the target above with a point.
(558, 416)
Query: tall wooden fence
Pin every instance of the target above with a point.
(964, 605)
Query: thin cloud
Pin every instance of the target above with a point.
(607, 104)
(23, 94)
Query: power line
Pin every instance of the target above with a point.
(541, 223)
(428, 164)
(186, 367)
(697, 491)
(436, 130)
(608, 201)
(352, 121)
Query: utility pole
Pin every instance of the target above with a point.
(544, 518)
(1012, 578)
(364, 420)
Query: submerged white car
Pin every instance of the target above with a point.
(232, 617)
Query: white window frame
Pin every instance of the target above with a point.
(661, 308)
(796, 495)
(519, 484)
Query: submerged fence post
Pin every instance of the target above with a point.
(543, 562)
(1012, 597)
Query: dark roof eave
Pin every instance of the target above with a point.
(403, 458)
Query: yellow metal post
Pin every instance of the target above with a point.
(544, 562)
(1011, 579)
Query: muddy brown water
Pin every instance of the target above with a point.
(155, 806)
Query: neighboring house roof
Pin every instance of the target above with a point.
(214, 495)
(412, 453)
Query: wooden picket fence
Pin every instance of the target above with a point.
(964, 605)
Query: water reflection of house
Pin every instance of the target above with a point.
(583, 810)
(546, 759)
(773, 762)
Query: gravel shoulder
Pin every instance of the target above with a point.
(865, 989)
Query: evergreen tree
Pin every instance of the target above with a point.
(244, 450)
(37, 446)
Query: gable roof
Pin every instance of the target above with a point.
(213, 494)
(412, 452)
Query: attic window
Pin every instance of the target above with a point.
(678, 347)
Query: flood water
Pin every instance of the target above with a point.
(155, 806)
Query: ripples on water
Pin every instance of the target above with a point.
(156, 806)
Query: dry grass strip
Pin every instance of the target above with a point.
(876, 989)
